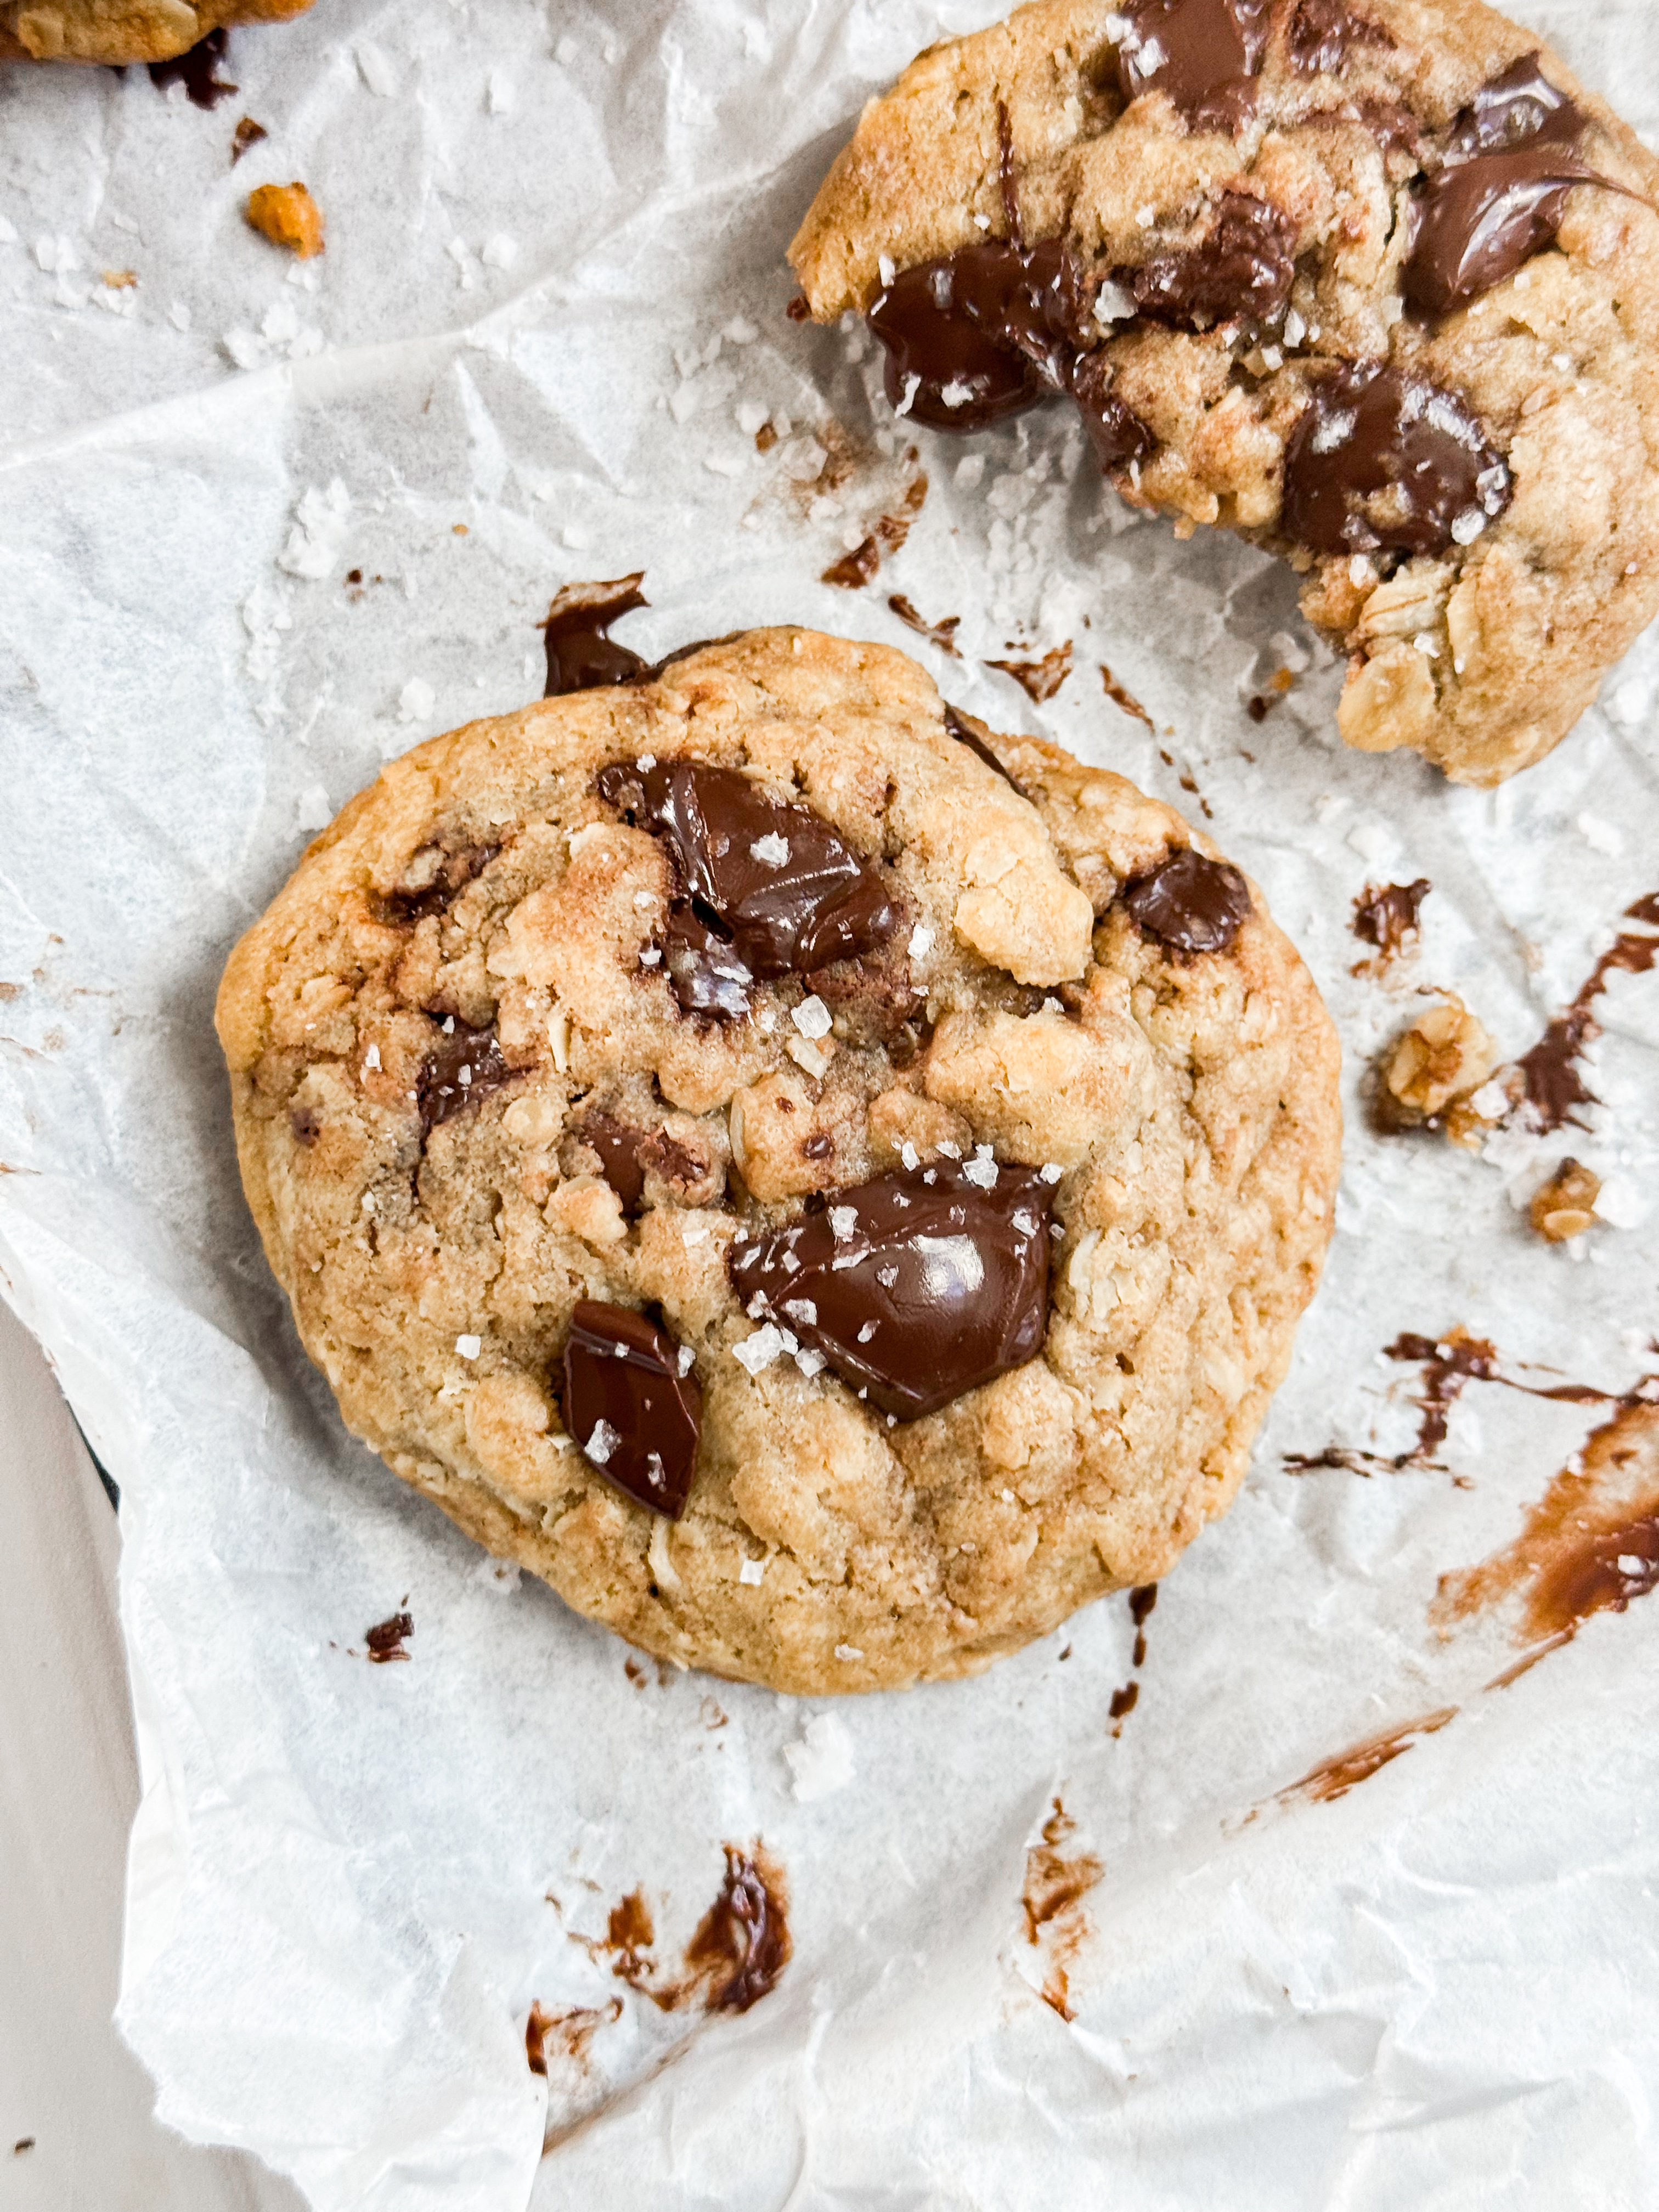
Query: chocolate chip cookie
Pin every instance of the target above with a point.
(828, 1188)
(120, 31)
(1373, 284)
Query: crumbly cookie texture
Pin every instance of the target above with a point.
(1250, 193)
(468, 1099)
(121, 31)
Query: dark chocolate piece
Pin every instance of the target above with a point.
(633, 1404)
(1241, 270)
(385, 1639)
(1190, 903)
(452, 867)
(979, 334)
(1120, 438)
(1382, 460)
(783, 889)
(1386, 914)
(249, 133)
(195, 70)
(1322, 32)
(464, 1067)
(627, 1154)
(1203, 53)
(915, 1287)
(581, 654)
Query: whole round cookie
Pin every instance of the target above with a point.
(117, 32)
(1373, 282)
(828, 1189)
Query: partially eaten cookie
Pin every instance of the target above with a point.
(829, 1188)
(1374, 286)
(116, 32)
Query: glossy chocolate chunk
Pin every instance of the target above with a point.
(633, 1404)
(1191, 904)
(1381, 461)
(1322, 32)
(707, 972)
(915, 1287)
(786, 892)
(628, 1154)
(978, 334)
(1499, 199)
(1203, 53)
(976, 744)
(1117, 433)
(581, 654)
(464, 1067)
(1240, 271)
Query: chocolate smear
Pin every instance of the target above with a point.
(581, 654)
(1555, 1089)
(915, 1287)
(568, 2035)
(1191, 904)
(464, 1067)
(943, 634)
(196, 70)
(1203, 53)
(633, 1404)
(1386, 915)
(1121, 440)
(1119, 697)
(1039, 679)
(742, 1944)
(964, 733)
(855, 569)
(385, 1639)
(1142, 1599)
(1334, 1777)
(1447, 1362)
(771, 888)
(1502, 193)
(1056, 1882)
(248, 133)
(445, 870)
(1323, 34)
(1380, 460)
(1240, 271)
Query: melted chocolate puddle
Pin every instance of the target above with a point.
(1056, 1883)
(581, 654)
(1039, 679)
(861, 566)
(737, 1955)
(1555, 1088)
(194, 71)
(1333, 1777)
(1386, 915)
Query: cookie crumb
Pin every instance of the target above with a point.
(288, 216)
(1565, 1206)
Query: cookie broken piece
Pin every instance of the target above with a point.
(121, 31)
(1376, 289)
(288, 216)
(947, 1265)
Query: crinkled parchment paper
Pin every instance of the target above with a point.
(552, 311)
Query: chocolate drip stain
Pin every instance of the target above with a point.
(463, 1067)
(1324, 32)
(1056, 1883)
(385, 1639)
(965, 735)
(1386, 915)
(1502, 193)
(916, 1286)
(1380, 460)
(581, 654)
(943, 634)
(1448, 1365)
(1119, 697)
(1241, 270)
(1190, 904)
(1203, 53)
(633, 1405)
(738, 1953)
(196, 70)
(1334, 1777)
(1554, 1088)
(1039, 679)
(1123, 1702)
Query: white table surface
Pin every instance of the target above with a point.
(69, 1785)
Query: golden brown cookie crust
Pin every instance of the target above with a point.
(1482, 659)
(1190, 1108)
(117, 32)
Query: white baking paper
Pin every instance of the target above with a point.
(552, 311)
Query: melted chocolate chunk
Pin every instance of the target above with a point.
(633, 1404)
(451, 869)
(1381, 461)
(1117, 433)
(627, 1154)
(581, 654)
(385, 1639)
(772, 889)
(1386, 914)
(979, 334)
(915, 1287)
(1322, 33)
(1500, 198)
(196, 71)
(1191, 904)
(1241, 270)
(964, 735)
(464, 1067)
(1203, 53)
